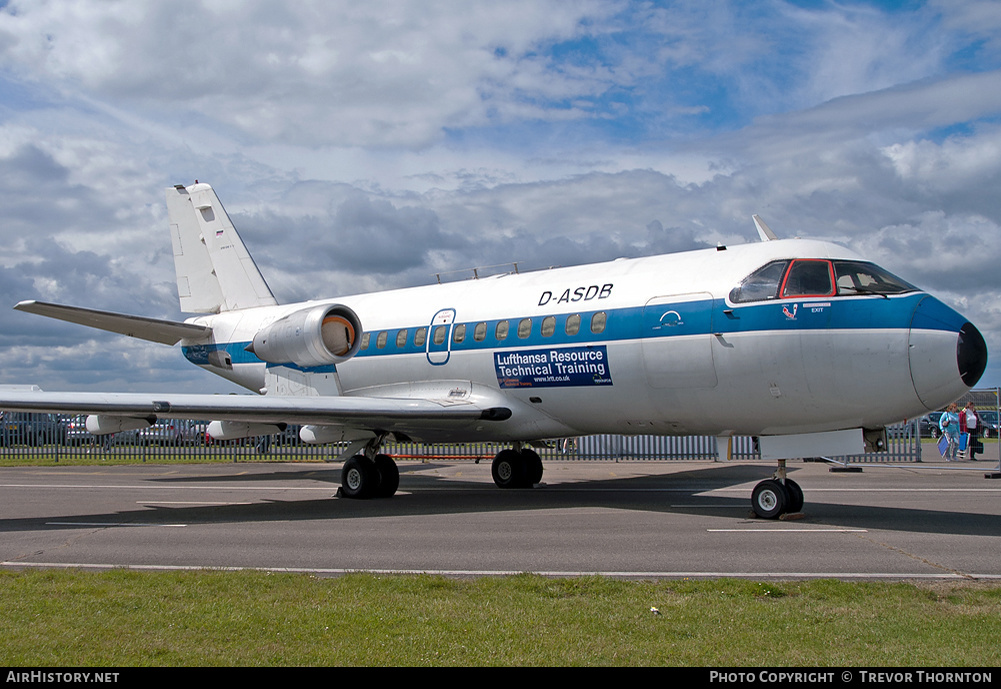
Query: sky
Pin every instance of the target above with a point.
(368, 146)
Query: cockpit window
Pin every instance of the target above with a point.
(808, 279)
(816, 278)
(856, 277)
(761, 284)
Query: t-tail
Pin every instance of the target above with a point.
(215, 272)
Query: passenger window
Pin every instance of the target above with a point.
(524, 328)
(808, 279)
(420, 337)
(364, 341)
(761, 284)
(459, 333)
(401, 339)
(440, 333)
(573, 324)
(480, 332)
(548, 326)
(380, 341)
(598, 321)
(501, 332)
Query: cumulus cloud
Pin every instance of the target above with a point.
(375, 145)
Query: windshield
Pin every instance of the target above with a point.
(817, 278)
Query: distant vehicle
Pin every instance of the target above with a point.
(25, 428)
(172, 432)
(76, 431)
(988, 424)
(928, 425)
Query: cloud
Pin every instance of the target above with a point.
(370, 146)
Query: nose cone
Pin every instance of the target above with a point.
(947, 354)
(971, 354)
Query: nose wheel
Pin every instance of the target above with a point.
(776, 496)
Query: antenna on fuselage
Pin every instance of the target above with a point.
(764, 231)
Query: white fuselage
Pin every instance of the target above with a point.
(647, 346)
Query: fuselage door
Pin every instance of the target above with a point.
(677, 341)
(439, 342)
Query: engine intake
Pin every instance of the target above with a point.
(318, 336)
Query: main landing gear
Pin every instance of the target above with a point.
(373, 475)
(516, 468)
(364, 476)
(777, 496)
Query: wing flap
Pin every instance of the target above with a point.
(152, 329)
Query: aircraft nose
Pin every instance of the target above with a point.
(947, 354)
(971, 354)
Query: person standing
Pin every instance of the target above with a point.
(948, 423)
(973, 428)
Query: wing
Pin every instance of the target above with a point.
(414, 417)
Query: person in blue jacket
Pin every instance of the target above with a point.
(948, 423)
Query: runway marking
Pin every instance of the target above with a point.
(778, 530)
(106, 524)
(896, 576)
(188, 502)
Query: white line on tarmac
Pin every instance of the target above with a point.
(189, 502)
(110, 524)
(776, 530)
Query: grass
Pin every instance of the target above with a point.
(125, 618)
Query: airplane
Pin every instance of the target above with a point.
(800, 343)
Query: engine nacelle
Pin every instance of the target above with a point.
(318, 336)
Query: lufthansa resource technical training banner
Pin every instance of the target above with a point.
(553, 367)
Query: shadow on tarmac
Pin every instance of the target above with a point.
(421, 493)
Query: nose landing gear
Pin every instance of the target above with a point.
(777, 496)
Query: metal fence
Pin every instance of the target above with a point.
(48, 436)
(54, 445)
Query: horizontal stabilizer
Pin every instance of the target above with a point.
(152, 329)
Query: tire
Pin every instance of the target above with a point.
(533, 467)
(359, 478)
(389, 476)
(795, 495)
(509, 470)
(769, 499)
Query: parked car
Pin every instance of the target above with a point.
(172, 432)
(24, 428)
(988, 423)
(928, 425)
(76, 431)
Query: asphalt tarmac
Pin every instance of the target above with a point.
(630, 519)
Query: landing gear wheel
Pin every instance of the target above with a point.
(359, 478)
(509, 469)
(533, 466)
(389, 476)
(769, 499)
(795, 495)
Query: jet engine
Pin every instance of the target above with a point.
(317, 336)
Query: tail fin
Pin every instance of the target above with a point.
(215, 272)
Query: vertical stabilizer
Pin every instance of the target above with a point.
(215, 272)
